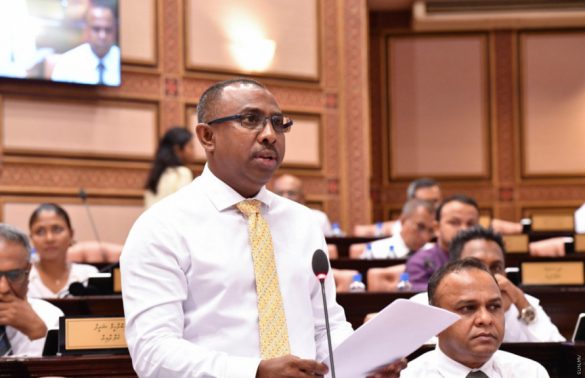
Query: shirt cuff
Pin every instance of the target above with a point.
(242, 367)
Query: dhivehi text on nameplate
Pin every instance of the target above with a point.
(94, 333)
(552, 273)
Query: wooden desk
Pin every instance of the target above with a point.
(343, 243)
(560, 359)
(92, 305)
(363, 265)
(111, 366)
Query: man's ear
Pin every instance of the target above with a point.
(206, 136)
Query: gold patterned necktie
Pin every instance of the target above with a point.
(271, 318)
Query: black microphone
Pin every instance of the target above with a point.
(83, 196)
(321, 268)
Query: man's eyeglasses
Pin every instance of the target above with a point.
(14, 276)
(257, 122)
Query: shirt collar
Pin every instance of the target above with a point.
(223, 196)
(452, 368)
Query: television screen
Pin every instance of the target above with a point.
(73, 41)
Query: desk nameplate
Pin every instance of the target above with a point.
(553, 273)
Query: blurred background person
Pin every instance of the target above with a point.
(169, 173)
(418, 228)
(52, 235)
(17, 39)
(455, 213)
(291, 187)
(97, 61)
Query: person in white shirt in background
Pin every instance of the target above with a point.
(188, 276)
(169, 172)
(52, 234)
(97, 61)
(526, 320)
(24, 322)
(291, 187)
(469, 347)
(417, 228)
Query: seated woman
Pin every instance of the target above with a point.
(51, 235)
(168, 172)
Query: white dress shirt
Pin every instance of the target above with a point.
(542, 329)
(78, 273)
(79, 65)
(390, 248)
(189, 289)
(435, 364)
(323, 221)
(21, 344)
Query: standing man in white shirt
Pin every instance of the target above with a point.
(469, 347)
(24, 322)
(97, 61)
(190, 268)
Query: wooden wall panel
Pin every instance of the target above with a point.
(138, 32)
(258, 36)
(438, 106)
(552, 98)
(103, 128)
(535, 92)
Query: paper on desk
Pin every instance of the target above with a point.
(398, 330)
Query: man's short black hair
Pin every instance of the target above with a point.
(473, 233)
(456, 198)
(417, 184)
(451, 267)
(208, 100)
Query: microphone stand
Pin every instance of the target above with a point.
(327, 327)
(83, 196)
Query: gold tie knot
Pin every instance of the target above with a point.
(249, 207)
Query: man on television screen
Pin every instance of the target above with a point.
(97, 61)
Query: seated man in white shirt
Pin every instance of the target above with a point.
(97, 61)
(418, 227)
(469, 347)
(24, 322)
(525, 319)
(216, 277)
(291, 187)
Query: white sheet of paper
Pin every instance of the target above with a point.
(398, 330)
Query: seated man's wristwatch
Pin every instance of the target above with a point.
(527, 315)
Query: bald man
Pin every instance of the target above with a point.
(291, 187)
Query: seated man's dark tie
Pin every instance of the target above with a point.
(101, 68)
(477, 374)
(5, 348)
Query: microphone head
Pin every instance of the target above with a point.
(320, 265)
(76, 288)
(82, 194)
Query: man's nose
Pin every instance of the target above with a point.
(484, 317)
(4, 284)
(267, 133)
